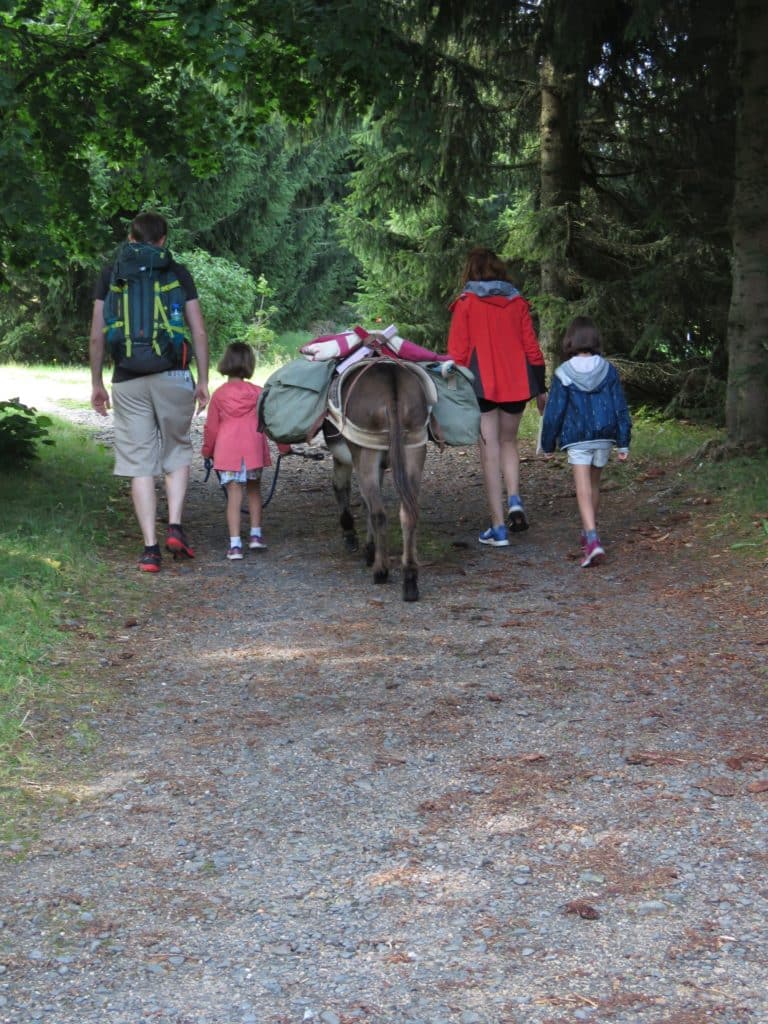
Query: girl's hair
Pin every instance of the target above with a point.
(239, 360)
(582, 335)
(148, 227)
(484, 265)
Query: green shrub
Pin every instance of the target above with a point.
(228, 297)
(258, 333)
(22, 429)
(235, 306)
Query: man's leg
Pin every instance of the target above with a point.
(176, 491)
(176, 483)
(136, 451)
(174, 404)
(145, 507)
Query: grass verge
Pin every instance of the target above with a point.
(58, 515)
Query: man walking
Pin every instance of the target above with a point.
(141, 304)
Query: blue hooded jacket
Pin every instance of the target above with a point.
(586, 406)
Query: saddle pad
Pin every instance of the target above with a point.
(378, 440)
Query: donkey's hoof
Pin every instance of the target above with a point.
(381, 576)
(410, 587)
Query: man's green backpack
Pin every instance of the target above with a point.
(144, 311)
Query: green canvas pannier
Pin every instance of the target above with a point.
(457, 412)
(295, 399)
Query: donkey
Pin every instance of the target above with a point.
(378, 414)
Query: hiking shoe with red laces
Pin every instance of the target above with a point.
(593, 553)
(149, 562)
(176, 542)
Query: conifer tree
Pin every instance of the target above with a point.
(747, 408)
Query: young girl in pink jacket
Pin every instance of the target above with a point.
(239, 450)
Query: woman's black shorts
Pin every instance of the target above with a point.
(514, 408)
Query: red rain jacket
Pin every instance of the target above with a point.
(494, 337)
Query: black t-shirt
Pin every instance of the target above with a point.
(102, 288)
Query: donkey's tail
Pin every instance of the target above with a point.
(397, 461)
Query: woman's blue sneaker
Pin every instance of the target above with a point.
(496, 536)
(517, 518)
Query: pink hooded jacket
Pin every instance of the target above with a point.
(231, 432)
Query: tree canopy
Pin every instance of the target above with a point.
(352, 153)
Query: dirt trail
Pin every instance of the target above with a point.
(538, 795)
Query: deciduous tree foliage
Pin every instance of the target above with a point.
(99, 87)
(107, 108)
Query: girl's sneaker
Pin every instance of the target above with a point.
(235, 553)
(496, 536)
(257, 543)
(517, 518)
(593, 553)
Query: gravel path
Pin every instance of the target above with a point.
(538, 795)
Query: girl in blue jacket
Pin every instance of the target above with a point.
(587, 415)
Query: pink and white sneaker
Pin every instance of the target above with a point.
(593, 553)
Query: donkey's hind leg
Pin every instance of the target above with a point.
(369, 468)
(409, 521)
(342, 490)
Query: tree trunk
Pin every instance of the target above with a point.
(559, 176)
(747, 394)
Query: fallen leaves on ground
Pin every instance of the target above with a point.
(582, 909)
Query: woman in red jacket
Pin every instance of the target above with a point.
(492, 334)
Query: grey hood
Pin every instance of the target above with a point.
(589, 380)
(485, 288)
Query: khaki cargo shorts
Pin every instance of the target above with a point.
(152, 417)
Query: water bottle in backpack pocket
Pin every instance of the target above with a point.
(178, 335)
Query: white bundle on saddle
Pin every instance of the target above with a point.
(348, 344)
(334, 346)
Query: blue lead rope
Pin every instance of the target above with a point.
(316, 456)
